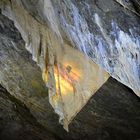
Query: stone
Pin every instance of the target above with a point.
(68, 91)
(16, 121)
(113, 112)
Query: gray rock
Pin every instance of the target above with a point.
(107, 31)
(112, 113)
(16, 121)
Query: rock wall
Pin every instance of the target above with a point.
(106, 31)
(88, 26)
(16, 121)
(112, 113)
(71, 77)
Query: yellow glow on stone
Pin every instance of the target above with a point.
(45, 75)
(75, 73)
(64, 79)
(65, 86)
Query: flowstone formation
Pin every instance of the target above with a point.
(71, 77)
(78, 45)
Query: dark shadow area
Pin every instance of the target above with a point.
(17, 123)
(112, 113)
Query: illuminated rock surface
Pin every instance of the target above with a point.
(70, 76)
(109, 113)
(105, 30)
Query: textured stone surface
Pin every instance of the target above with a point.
(105, 30)
(90, 27)
(71, 77)
(16, 121)
(20, 75)
(112, 113)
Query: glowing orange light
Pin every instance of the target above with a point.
(65, 76)
(64, 79)
(75, 73)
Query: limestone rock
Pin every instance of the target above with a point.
(90, 27)
(112, 113)
(71, 77)
(106, 31)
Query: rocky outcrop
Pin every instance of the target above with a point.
(59, 26)
(106, 31)
(90, 27)
(70, 76)
(112, 113)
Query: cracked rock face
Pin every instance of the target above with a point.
(100, 37)
(106, 31)
(112, 113)
(71, 77)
